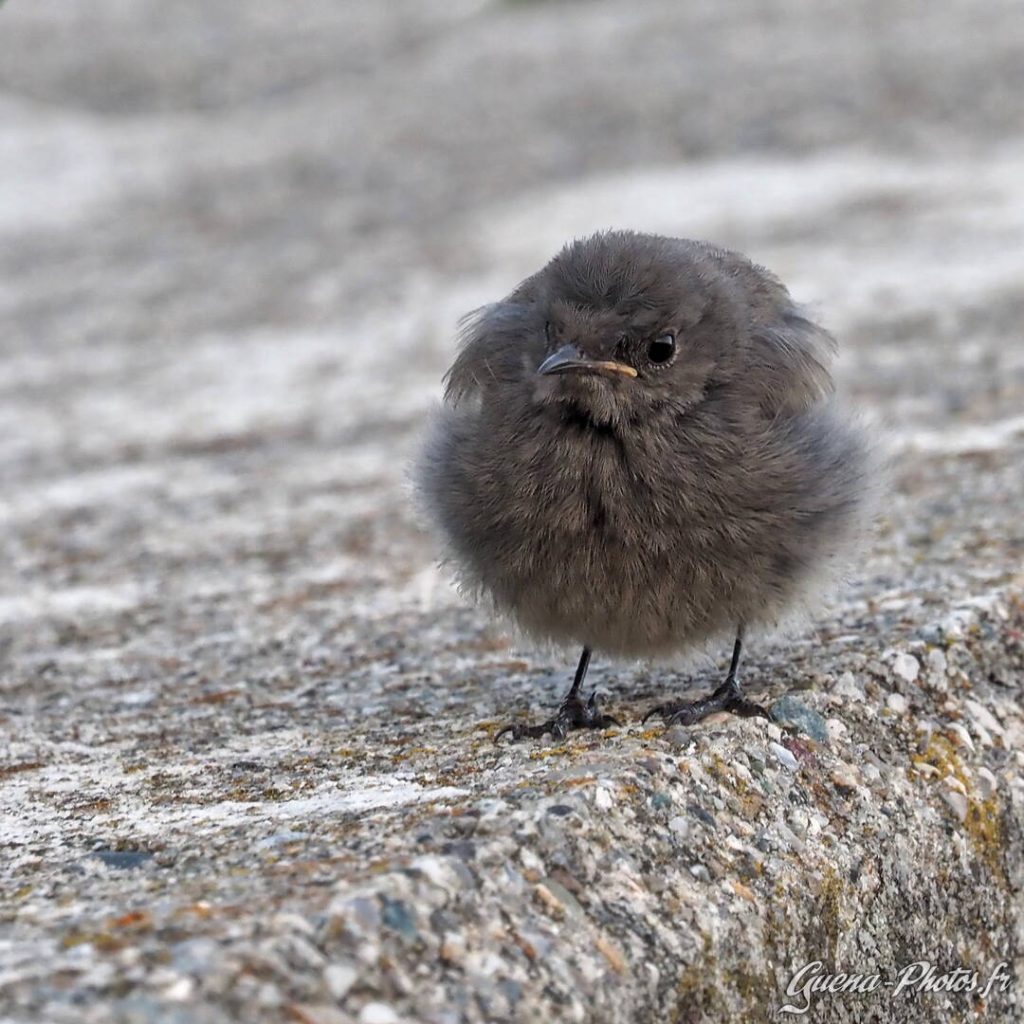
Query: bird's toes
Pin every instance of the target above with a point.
(678, 714)
(685, 715)
(518, 732)
(650, 714)
(574, 713)
(590, 715)
(559, 729)
(508, 730)
(665, 711)
(749, 709)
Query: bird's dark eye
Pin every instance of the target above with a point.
(662, 350)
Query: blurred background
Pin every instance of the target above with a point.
(235, 240)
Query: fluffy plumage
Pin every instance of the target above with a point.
(642, 515)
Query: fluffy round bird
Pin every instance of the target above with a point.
(639, 451)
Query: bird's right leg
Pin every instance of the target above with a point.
(573, 713)
(727, 697)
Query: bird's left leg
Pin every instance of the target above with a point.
(573, 713)
(727, 697)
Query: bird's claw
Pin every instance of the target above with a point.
(691, 712)
(573, 713)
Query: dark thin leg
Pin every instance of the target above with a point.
(581, 674)
(573, 713)
(728, 697)
(737, 651)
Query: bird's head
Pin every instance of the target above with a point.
(621, 325)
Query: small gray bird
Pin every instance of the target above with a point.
(638, 452)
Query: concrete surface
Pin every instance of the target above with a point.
(247, 771)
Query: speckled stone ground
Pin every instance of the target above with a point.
(247, 771)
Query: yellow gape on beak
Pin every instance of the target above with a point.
(569, 359)
(612, 367)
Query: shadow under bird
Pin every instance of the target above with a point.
(639, 452)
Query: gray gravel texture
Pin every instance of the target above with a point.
(247, 772)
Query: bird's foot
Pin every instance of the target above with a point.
(726, 698)
(573, 713)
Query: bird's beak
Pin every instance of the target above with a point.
(569, 359)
